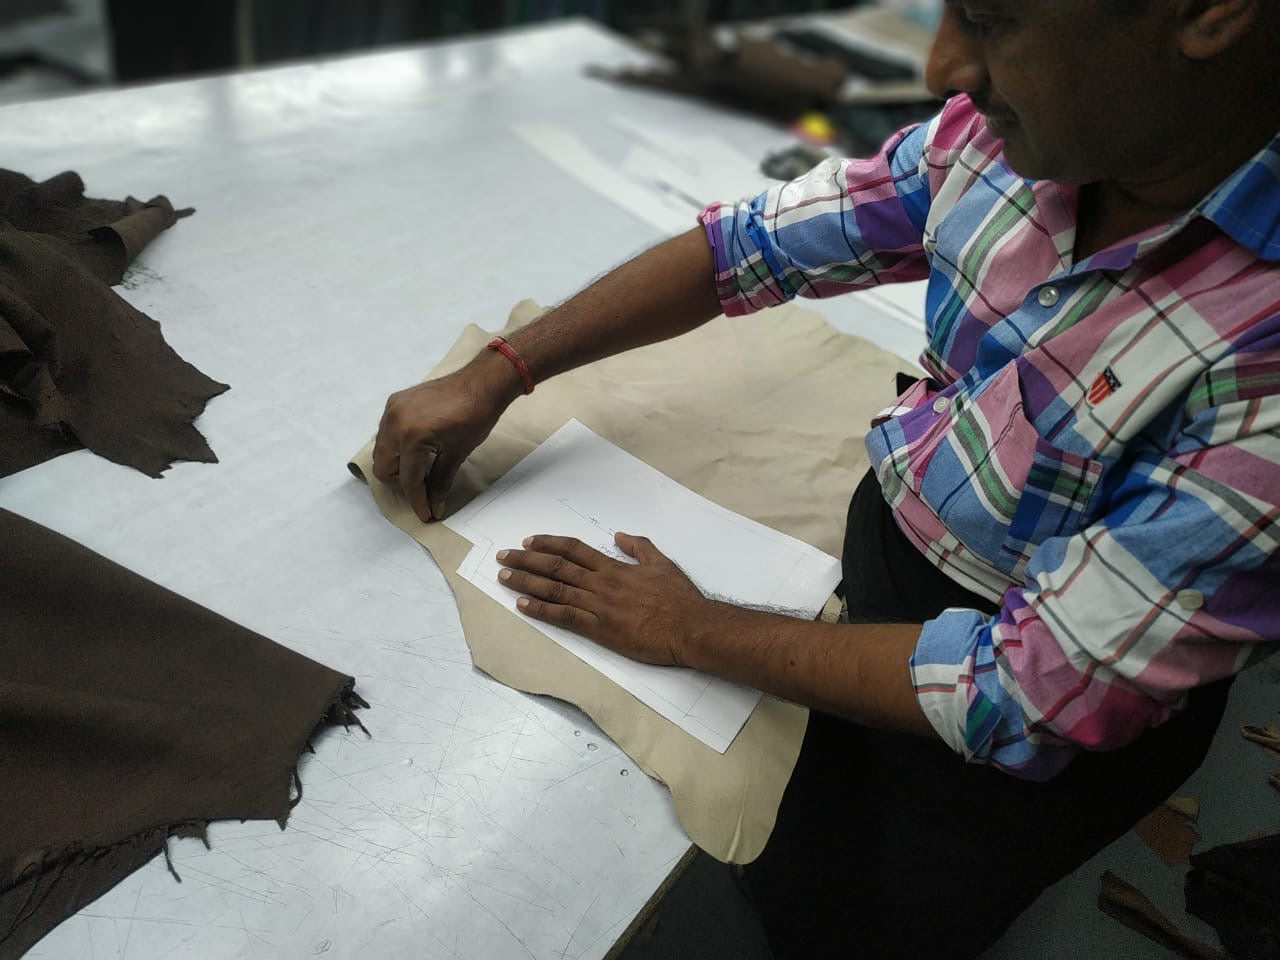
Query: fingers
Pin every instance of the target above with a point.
(550, 583)
(555, 592)
(549, 566)
(415, 464)
(385, 467)
(395, 457)
(425, 434)
(386, 450)
(638, 548)
(571, 618)
(439, 480)
(571, 549)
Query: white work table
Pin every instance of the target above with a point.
(353, 216)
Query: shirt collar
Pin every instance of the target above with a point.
(1247, 204)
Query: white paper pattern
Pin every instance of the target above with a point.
(578, 484)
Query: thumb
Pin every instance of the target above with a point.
(638, 548)
(440, 480)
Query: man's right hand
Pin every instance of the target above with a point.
(428, 431)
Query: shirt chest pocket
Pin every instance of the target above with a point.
(999, 486)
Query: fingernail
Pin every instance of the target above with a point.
(527, 541)
(502, 554)
(522, 602)
(504, 574)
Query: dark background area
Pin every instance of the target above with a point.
(91, 42)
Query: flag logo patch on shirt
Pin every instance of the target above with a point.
(1103, 386)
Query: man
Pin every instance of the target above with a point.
(1067, 545)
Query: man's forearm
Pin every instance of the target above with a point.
(858, 671)
(428, 430)
(664, 292)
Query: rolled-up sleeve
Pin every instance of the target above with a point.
(845, 225)
(1173, 587)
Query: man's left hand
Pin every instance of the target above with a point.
(648, 610)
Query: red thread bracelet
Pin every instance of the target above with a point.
(507, 350)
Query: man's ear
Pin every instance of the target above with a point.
(1212, 27)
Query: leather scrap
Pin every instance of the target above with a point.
(784, 407)
(1130, 906)
(1171, 837)
(1186, 807)
(79, 365)
(129, 714)
(1236, 889)
(1267, 737)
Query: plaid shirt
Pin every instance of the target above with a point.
(1097, 448)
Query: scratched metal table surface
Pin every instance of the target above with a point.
(353, 215)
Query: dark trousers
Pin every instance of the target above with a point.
(889, 845)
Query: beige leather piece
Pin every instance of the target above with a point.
(763, 414)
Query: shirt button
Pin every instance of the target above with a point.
(1190, 599)
(1048, 296)
(940, 404)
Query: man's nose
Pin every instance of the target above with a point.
(955, 59)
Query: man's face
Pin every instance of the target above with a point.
(1077, 91)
